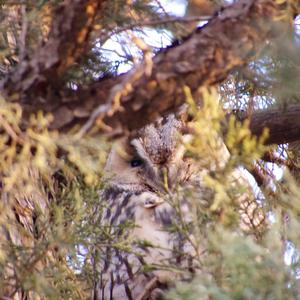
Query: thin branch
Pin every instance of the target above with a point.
(154, 22)
(10, 131)
(271, 156)
(23, 34)
(148, 288)
(260, 177)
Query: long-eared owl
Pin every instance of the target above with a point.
(147, 250)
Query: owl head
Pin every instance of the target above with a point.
(151, 159)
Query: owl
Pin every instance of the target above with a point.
(145, 209)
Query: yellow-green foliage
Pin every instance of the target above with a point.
(208, 148)
(41, 217)
(234, 264)
(55, 179)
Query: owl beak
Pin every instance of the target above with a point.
(151, 202)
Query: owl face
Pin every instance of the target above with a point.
(150, 160)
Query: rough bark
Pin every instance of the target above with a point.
(283, 124)
(69, 35)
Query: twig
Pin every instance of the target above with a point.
(259, 175)
(22, 38)
(100, 110)
(155, 22)
(270, 156)
(10, 130)
(148, 288)
(163, 21)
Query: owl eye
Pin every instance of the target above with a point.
(136, 162)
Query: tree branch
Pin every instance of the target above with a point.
(283, 124)
(205, 58)
(68, 39)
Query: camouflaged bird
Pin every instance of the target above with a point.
(144, 172)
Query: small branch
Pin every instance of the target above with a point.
(10, 131)
(271, 157)
(148, 288)
(260, 177)
(154, 22)
(24, 28)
